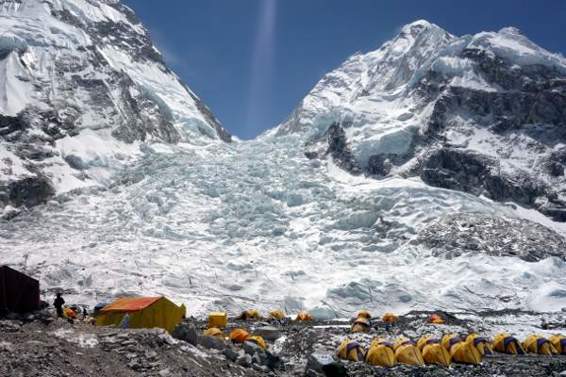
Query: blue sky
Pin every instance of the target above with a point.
(252, 61)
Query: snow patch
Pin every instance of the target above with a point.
(11, 166)
(510, 44)
(81, 339)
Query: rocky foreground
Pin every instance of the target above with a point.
(57, 348)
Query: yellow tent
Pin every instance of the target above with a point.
(250, 314)
(539, 344)
(214, 331)
(559, 342)
(304, 316)
(257, 340)
(406, 352)
(484, 345)
(505, 343)
(449, 340)
(144, 312)
(364, 314)
(381, 353)
(461, 351)
(277, 314)
(433, 351)
(350, 350)
(390, 318)
(217, 320)
(465, 352)
(361, 325)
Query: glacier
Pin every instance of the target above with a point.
(146, 193)
(257, 224)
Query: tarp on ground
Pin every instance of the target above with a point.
(19, 293)
(144, 312)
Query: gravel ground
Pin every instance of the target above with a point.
(61, 349)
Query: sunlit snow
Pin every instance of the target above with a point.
(257, 224)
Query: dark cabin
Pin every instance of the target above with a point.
(19, 293)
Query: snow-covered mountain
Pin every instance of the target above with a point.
(483, 113)
(437, 123)
(81, 88)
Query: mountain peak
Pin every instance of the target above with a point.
(418, 39)
(417, 25)
(83, 83)
(427, 90)
(510, 30)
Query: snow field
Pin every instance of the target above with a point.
(257, 225)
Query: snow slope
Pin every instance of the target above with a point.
(494, 96)
(85, 72)
(257, 224)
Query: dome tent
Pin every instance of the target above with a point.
(144, 312)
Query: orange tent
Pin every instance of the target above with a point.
(239, 335)
(390, 318)
(144, 312)
(436, 319)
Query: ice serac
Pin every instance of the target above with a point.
(258, 224)
(81, 88)
(482, 113)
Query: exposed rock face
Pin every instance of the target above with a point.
(334, 144)
(484, 114)
(531, 109)
(77, 73)
(468, 171)
(30, 191)
(462, 234)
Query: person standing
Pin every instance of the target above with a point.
(125, 323)
(58, 304)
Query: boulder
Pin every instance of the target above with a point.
(271, 361)
(231, 354)
(268, 333)
(256, 359)
(244, 360)
(326, 365)
(211, 342)
(187, 333)
(251, 348)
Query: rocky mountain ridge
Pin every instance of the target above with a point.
(81, 88)
(481, 113)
